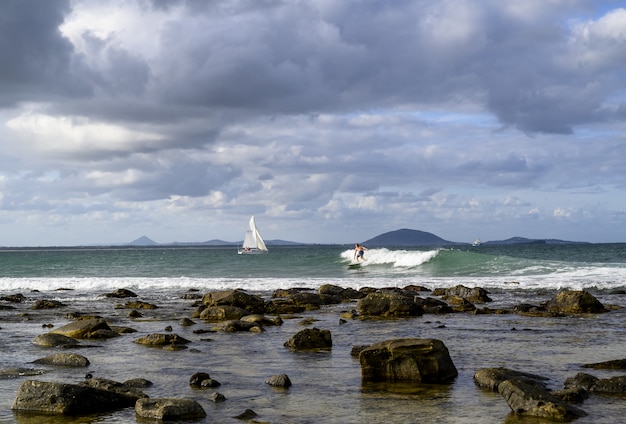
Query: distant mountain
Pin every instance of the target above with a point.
(143, 241)
(523, 240)
(407, 237)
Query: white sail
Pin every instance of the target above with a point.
(253, 242)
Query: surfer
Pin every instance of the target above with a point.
(359, 251)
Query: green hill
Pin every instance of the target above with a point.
(407, 237)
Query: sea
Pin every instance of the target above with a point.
(327, 386)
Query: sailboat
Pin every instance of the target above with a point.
(252, 242)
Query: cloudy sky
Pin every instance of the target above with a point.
(330, 121)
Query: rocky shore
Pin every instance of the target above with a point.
(395, 360)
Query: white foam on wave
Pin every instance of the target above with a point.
(396, 258)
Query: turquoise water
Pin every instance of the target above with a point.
(327, 386)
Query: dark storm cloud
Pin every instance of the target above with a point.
(35, 60)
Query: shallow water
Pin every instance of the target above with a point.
(327, 386)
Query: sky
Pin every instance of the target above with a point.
(329, 121)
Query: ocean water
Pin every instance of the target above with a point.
(327, 386)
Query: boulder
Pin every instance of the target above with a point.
(575, 302)
(280, 380)
(138, 383)
(340, 292)
(283, 306)
(169, 409)
(410, 359)
(222, 312)
(617, 364)
(475, 295)
(54, 340)
(121, 293)
(137, 304)
(389, 305)
(252, 303)
(613, 385)
(83, 328)
(533, 400)
(490, 378)
(68, 399)
(64, 360)
(14, 298)
(122, 389)
(310, 339)
(157, 339)
(262, 320)
(48, 304)
(235, 325)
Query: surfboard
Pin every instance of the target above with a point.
(354, 266)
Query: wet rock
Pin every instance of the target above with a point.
(246, 415)
(342, 293)
(138, 383)
(134, 314)
(490, 378)
(203, 379)
(217, 397)
(532, 400)
(48, 304)
(137, 304)
(169, 409)
(388, 305)
(69, 399)
(235, 325)
(614, 385)
(54, 340)
(157, 339)
(84, 328)
(197, 379)
(474, 295)
(222, 312)
(186, 322)
(64, 360)
(121, 293)
(575, 302)
(14, 298)
(280, 380)
(283, 306)
(409, 359)
(252, 303)
(262, 320)
(617, 364)
(310, 339)
(10, 373)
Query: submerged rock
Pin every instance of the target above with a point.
(54, 340)
(64, 360)
(169, 409)
(157, 339)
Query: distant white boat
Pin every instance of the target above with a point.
(477, 242)
(252, 241)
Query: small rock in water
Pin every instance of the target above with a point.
(217, 397)
(280, 380)
(248, 414)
